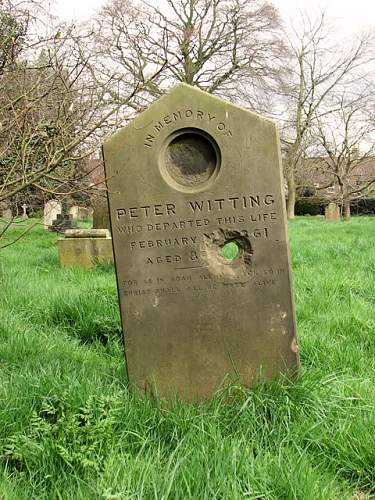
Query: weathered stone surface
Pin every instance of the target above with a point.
(85, 252)
(332, 212)
(51, 209)
(80, 213)
(87, 233)
(100, 214)
(198, 218)
(7, 214)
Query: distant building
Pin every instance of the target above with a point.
(95, 172)
(314, 179)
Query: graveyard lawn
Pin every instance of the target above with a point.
(70, 428)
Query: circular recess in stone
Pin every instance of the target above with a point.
(190, 160)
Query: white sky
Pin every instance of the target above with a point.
(350, 15)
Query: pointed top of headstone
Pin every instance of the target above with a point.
(171, 103)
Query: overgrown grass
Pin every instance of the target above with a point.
(70, 429)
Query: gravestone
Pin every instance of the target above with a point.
(100, 214)
(7, 214)
(51, 209)
(24, 213)
(63, 220)
(332, 212)
(80, 213)
(73, 211)
(85, 248)
(199, 231)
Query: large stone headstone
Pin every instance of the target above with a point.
(199, 230)
(51, 210)
(332, 212)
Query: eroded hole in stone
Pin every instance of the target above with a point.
(190, 159)
(228, 254)
(230, 250)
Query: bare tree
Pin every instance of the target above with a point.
(13, 29)
(46, 116)
(320, 69)
(232, 48)
(346, 149)
(52, 113)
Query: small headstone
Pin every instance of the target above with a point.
(24, 213)
(51, 210)
(62, 222)
(332, 212)
(80, 213)
(73, 211)
(100, 213)
(7, 214)
(199, 231)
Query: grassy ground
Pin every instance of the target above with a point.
(70, 429)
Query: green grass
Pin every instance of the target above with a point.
(70, 428)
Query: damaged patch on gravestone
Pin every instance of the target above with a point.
(199, 233)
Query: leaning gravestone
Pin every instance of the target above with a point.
(199, 231)
(51, 209)
(332, 212)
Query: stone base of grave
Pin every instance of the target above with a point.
(85, 250)
(62, 223)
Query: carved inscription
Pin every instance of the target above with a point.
(200, 282)
(164, 243)
(181, 244)
(146, 211)
(197, 206)
(216, 122)
(187, 248)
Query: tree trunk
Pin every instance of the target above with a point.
(345, 200)
(346, 210)
(291, 201)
